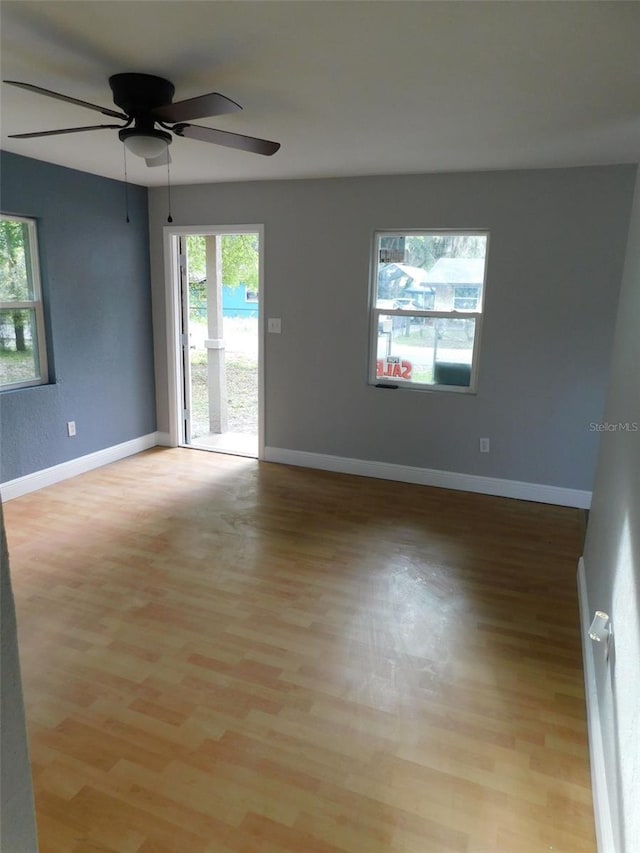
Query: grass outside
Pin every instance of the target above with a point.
(242, 394)
(16, 366)
(455, 338)
(425, 377)
(241, 362)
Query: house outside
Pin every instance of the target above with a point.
(454, 283)
(238, 301)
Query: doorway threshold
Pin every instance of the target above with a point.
(237, 443)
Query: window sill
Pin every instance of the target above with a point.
(454, 389)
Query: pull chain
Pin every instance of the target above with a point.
(126, 183)
(169, 218)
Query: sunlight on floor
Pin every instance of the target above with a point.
(238, 443)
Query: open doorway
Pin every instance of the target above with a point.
(220, 280)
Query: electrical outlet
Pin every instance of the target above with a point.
(71, 428)
(274, 325)
(484, 445)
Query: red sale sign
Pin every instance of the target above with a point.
(393, 367)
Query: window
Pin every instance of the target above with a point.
(466, 298)
(427, 301)
(250, 295)
(23, 359)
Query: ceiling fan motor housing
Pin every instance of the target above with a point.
(138, 94)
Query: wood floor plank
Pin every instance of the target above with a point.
(225, 656)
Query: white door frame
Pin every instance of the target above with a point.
(173, 311)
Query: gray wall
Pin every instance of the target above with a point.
(612, 558)
(95, 272)
(555, 265)
(17, 817)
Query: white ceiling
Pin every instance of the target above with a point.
(348, 88)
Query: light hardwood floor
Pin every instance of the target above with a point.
(221, 655)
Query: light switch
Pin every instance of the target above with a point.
(274, 325)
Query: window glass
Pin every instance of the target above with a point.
(15, 280)
(423, 283)
(22, 346)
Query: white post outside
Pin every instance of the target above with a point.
(216, 373)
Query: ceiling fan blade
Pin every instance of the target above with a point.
(203, 106)
(64, 130)
(161, 160)
(39, 90)
(230, 140)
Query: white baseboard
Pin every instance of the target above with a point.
(362, 467)
(47, 477)
(432, 477)
(601, 805)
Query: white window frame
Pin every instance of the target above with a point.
(376, 312)
(34, 305)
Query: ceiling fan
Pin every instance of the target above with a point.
(151, 118)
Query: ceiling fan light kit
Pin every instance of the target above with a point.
(145, 143)
(151, 117)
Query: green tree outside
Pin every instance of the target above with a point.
(239, 259)
(14, 274)
(239, 265)
(424, 251)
